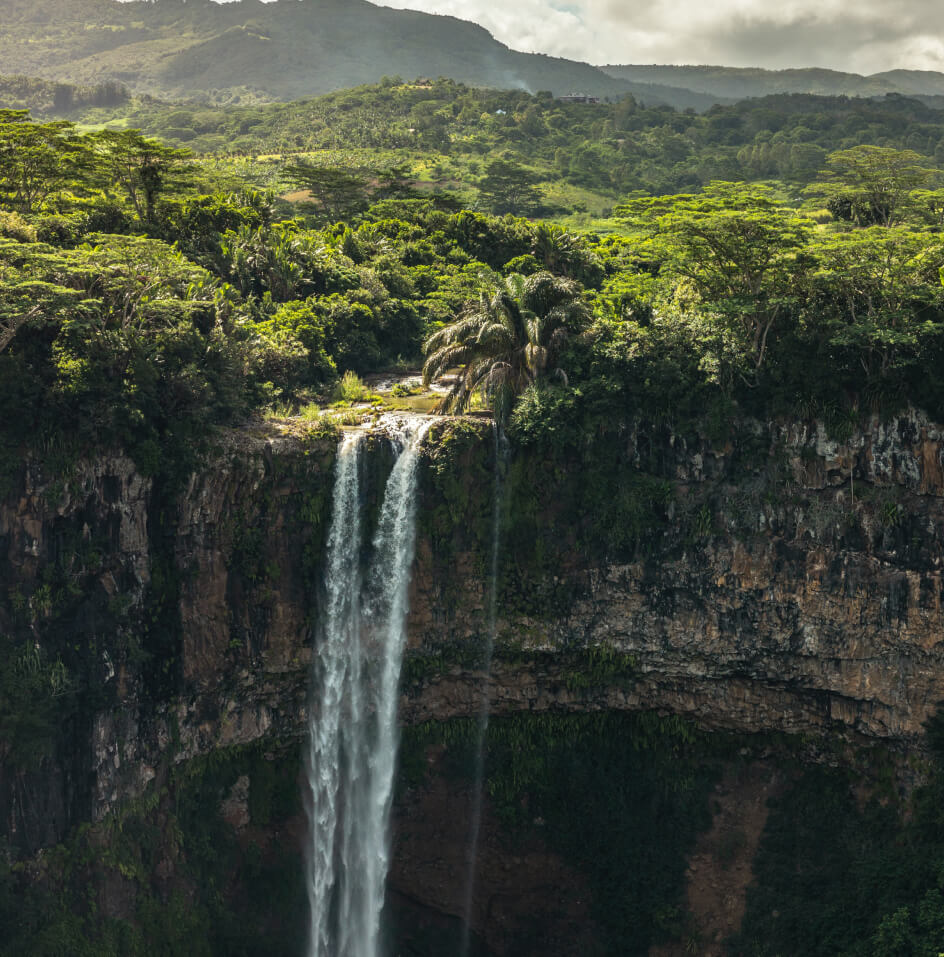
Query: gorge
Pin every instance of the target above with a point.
(761, 615)
(443, 521)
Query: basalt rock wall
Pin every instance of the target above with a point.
(783, 581)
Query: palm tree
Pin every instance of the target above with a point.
(506, 341)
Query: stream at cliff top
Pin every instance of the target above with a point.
(353, 703)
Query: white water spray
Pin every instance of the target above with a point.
(353, 719)
(333, 662)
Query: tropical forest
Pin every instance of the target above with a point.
(445, 516)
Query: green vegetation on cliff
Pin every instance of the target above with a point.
(140, 308)
(149, 296)
(602, 791)
(842, 868)
(839, 872)
(213, 830)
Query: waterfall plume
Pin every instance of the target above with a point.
(353, 704)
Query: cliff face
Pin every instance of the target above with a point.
(798, 592)
(791, 583)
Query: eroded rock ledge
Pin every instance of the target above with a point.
(793, 584)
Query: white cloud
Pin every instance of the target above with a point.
(867, 36)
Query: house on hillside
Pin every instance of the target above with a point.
(578, 98)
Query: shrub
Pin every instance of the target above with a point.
(351, 388)
(14, 226)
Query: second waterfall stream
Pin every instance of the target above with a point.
(356, 660)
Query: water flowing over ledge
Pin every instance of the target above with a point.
(353, 714)
(795, 612)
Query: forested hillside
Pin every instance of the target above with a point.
(251, 51)
(142, 304)
(561, 157)
(288, 269)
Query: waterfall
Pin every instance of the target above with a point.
(335, 664)
(353, 713)
(475, 819)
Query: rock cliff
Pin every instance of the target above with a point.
(787, 581)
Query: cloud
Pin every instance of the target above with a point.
(867, 36)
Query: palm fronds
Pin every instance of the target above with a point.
(505, 341)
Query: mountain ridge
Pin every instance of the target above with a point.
(271, 51)
(744, 82)
(248, 51)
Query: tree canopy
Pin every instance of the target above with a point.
(506, 341)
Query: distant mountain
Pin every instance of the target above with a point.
(920, 82)
(250, 51)
(736, 83)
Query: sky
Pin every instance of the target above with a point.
(861, 36)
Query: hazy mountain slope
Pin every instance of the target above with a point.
(279, 51)
(922, 82)
(738, 83)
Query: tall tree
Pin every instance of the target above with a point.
(739, 248)
(508, 187)
(142, 167)
(873, 185)
(338, 193)
(877, 292)
(507, 340)
(37, 160)
(30, 288)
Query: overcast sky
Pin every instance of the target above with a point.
(863, 36)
